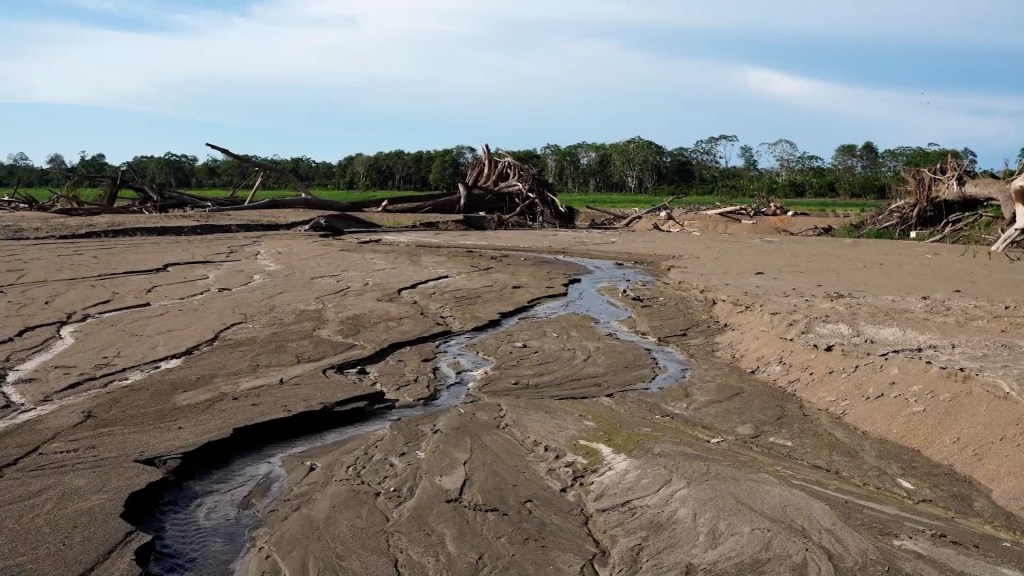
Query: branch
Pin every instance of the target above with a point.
(244, 184)
(255, 188)
(266, 167)
(666, 205)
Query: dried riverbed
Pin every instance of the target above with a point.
(553, 462)
(202, 524)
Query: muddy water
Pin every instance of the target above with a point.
(203, 525)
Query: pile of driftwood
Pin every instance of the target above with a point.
(762, 206)
(747, 212)
(945, 215)
(18, 200)
(931, 197)
(67, 201)
(498, 191)
(937, 204)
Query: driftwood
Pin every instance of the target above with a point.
(499, 186)
(617, 220)
(508, 192)
(762, 206)
(439, 203)
(931, 197)
(234, 192)
(299, 186)
(307, 202)
(1015, 233)
(722, 211)
(827, 230)
(939, 200)
(494, 184)
(515, 190)
(667, 205)
(113, 190)
(255, 188)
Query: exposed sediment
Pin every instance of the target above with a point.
(200, 520)
(555, 462)
(291, 331)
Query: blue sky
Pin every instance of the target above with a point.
(326, 78)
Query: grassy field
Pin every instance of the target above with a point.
(621, 201)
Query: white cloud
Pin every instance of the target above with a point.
(943, 116)
(450, 53)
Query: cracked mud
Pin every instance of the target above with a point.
(128, 377)
(201, 526)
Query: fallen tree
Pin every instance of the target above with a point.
(942, 202)
(511, 192)
(762, 206)
(505, 191)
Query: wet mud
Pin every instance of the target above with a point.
(281, 403)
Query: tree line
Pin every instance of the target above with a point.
(717, 165)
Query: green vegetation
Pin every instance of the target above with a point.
(852, 231)
(613, 433)
(719, 167)
(619, 201)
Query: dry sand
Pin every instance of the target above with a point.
(853, 408)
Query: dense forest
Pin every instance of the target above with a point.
(718, 165)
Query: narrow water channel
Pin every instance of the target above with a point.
(202, 526)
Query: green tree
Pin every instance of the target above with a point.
(360, 171)
(446, 170)
(846, 158)
(56, 163)
(725, 144)
(784, 154)
(970, 157)
(20, 160)
(553, 167)
(93, 164)
(638, 163)
(870, 157)
(705, 158)
(596, 165)
(679, 169)
(749, 158)
(846, 162)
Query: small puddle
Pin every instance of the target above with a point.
(202, 526)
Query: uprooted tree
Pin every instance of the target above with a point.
(949, 200)
(504, 192)
(509, 192)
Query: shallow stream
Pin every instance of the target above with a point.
(202, 526)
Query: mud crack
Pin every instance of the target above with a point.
(422, 283)
(126, 274)
(195, 349)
